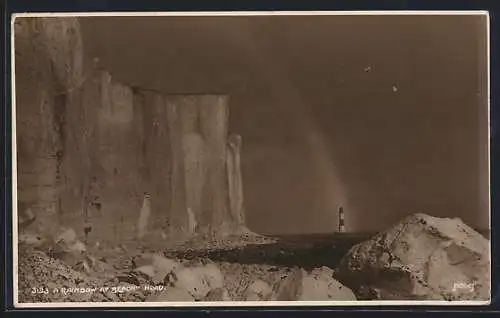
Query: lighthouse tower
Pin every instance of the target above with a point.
(341, 221)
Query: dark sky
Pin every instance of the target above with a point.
(385, 115)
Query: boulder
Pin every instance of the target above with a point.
(162, 266)
(155, 266)
(31, 239)
(217, 294)
(145, 259)
(289, 288)
(258, 290)
(77, 247)
(147, 270)
(26, 217)
(421, 258)
(69, 251)
(319, 285)
(67, 237)
(198, 281)
(212, 274)
(190, 280)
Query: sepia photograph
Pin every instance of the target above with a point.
(250, 159)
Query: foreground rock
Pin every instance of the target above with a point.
(258, 290)
(155, 266)
(25, 217)
(319, 285)
(421, 258)
(217, 294)
(238, 277)
(197, 283)
(68, 248)
(31, 239)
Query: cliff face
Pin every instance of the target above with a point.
(188, 169)
(90, 148)
(49, 77)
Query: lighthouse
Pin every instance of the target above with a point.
(341, 221)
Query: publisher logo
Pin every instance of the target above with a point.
(462, 286)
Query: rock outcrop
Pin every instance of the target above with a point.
(258, 290)
(217, 294)
(155, 266)
(198, 281)
(421, 258)
(318, 285)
